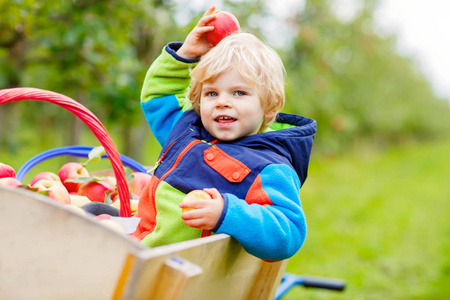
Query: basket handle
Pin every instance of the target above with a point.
(94, 124)
(77, 151)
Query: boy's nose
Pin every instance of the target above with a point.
(223, 101)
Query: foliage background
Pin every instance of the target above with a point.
(366, 98)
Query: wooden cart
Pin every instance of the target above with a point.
(49, 251)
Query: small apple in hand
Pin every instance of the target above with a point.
(96, 190)
(195, 195)
(225, 24)
(54, 189)
(138, 182)
(72, 170)
(7, 171)
(10, 182)
(45, 175)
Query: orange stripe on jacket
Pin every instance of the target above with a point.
(145, 211)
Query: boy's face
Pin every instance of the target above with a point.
(230, 107)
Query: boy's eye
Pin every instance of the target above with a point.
(239, 93)
(211, 94)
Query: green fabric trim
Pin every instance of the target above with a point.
(168, 76)
(278, 126)
(170, 228)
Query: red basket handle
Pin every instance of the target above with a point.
(94, 124)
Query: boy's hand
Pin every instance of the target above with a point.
(196, 43)
(205, 213)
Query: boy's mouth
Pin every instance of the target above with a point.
(224, 119)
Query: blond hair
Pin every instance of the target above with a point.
(255, 61)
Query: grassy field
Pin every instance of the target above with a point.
(380, 222)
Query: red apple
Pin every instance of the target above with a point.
(10, 181)
(54, 189)
(138, 182)
(7, 171)
(96, 190)
(225, 24)
(72, 170)
(45, 175)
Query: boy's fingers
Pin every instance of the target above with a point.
(205, 29)
(198, 223)
(193, 204)
(210, 11)
(205, 20)
(192, 214)
(214, 193)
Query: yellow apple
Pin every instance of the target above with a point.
(133, 204)
(195, 195)
(54, 189)
(78, 200)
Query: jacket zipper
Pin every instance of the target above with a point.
(159, 161)
(175, 164)
(180, 156)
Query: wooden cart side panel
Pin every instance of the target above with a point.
(228, 271)
(51, 252)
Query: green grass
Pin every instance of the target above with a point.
(380, 222)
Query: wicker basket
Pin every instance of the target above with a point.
(94, 124)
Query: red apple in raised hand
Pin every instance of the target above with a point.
(45, 175)
(138, 182)
(225, 24)
(72, 170)
(54, 189)
(96, 190)
(7, 171)
(10, 182)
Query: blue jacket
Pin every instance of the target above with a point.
(259, 175)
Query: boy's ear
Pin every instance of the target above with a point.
(270, 114)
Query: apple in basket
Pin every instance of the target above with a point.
(96, 190)
(45, 175)
(72, 170)
(79, 201)
(53, 189)
(10, 182)
(138, 181)
(134, 203)
(7, 171)
(225, 24)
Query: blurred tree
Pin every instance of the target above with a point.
(354, 83)
(96, 52)
(340, 73)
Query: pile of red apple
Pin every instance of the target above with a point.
(72, 185)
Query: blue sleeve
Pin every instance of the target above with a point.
(270, 232)
(165, 89)
(161, 114)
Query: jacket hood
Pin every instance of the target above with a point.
(291, 136)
